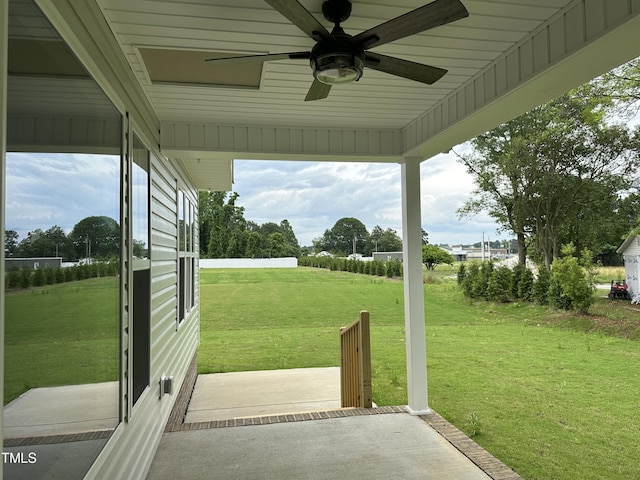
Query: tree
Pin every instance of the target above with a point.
(10, 242)
(222, 225)
(433, 256)
(277, 245)
(617, 91)
(348, 234)
(225, 233)
(551, 172)
(383, 241)
(254, 245)
(95, 237)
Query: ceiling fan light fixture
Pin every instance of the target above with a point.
(336, 68)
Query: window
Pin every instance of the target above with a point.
(186, 255)
(141, 321)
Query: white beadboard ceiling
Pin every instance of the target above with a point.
(378, 100)
(506, 57)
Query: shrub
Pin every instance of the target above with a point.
(518, 273)
(461, 274)
(12, 278)
(498, 286)
(469, 279)
(49, 276)
(366, 268)
(69, 274)
(573, 279)
(38, 277)
(525, 286)
(540, 292)
(25, 278)
(394, 268)
(59, 275)
(481, 281)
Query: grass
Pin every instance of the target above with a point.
(551, 395)
(606, 274)
(63, 334)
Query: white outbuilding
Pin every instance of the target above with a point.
(630, 250)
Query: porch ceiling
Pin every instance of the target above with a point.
(250, 27)
(505, 58)
(502, 46)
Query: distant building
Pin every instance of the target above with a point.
(462, 253)
(32, 263)
(387, 256)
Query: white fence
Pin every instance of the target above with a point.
(289, 262)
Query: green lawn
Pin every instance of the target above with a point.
(549, 400)
(62, 334)
(553, 395)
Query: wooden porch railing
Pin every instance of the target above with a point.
(355, 363)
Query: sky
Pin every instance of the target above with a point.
(45, 190)
(313, 196)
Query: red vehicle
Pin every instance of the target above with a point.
(619, 291)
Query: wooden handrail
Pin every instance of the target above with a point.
(355, 363)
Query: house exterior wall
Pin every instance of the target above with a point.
(130, 451)
(172, 345)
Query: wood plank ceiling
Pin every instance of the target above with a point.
(378, 100)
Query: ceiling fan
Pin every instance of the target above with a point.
(338, 57)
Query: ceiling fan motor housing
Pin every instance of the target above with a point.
(336, 11)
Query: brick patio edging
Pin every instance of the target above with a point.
(285, 418)
(62, 438)
(490, 465)
(470, 449)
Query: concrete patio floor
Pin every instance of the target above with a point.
(288, 425)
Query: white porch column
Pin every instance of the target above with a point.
(413, 288)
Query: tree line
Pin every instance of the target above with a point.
(226, 233)
(96, 237)
(564, 172)
(349, 235)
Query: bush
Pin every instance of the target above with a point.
(525, 286)
(12, 278)
(49, 276)
(69, 274)
(556, 297)
(540, 292)
(394, 268)
(461, 274)
(571, 281)
(25, 278)
(59, 275)
(469, 279)
(499, 284)
(481, 281)
(38, 277)
(518, 273)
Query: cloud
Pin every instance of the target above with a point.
(58, 189)
(313, 196)
(43, 190)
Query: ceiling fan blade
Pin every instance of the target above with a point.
(434, 14)
(301, 18)
(404, 68)
(262, 58)
(318, 91)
